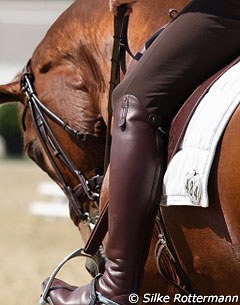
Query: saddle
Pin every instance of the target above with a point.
(182, 118)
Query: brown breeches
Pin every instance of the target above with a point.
(200, 41)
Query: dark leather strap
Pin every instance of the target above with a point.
(98, 233)
(115, 74)
(181, 120)
(120, 46)
(124, 46)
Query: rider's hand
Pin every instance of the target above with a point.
(114, 4)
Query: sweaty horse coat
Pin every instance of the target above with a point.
(57, 66)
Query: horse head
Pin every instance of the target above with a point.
(69, 70)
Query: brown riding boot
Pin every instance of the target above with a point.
(135, 173)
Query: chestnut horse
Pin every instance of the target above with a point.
(71, 74)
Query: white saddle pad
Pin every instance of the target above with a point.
(186, 179)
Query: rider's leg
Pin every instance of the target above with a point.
(192, 47)
(134, 177)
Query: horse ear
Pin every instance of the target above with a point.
(11, 92)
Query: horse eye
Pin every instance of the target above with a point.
(34, 153)
(30, 150)
(80, 86)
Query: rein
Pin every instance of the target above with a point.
(120, 47)
(53, 149)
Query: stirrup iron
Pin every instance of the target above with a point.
(44, 299)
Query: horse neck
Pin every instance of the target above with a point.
(80, 41)
(71, 63)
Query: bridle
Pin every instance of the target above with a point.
(52, 147)
(54, 150)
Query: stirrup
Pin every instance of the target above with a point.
(44, 298)
(96, 297)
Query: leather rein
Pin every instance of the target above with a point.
(54, 150)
